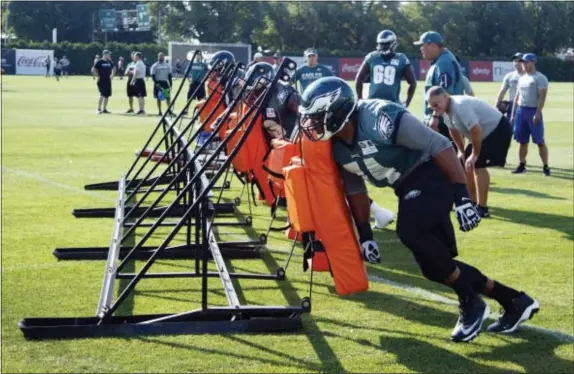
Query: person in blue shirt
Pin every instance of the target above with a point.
(311, 71)
(380, 141)
(444, 71)
(384, 69)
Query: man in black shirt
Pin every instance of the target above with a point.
(104, 69)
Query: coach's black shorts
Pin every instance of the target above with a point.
(494, 148)
(140, 88)
(200, 93)
(159, 85)
(105, 87)
(130, 90)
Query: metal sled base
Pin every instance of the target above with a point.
(229, 250)
(249, 319)
(221, 208)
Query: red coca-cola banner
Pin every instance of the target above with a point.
(348, 67)
(480, 71)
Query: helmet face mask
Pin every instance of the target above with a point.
(259, 78)
(327, 105)
(387, 42)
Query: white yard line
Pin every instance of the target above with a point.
(431, 296)
(50, 182)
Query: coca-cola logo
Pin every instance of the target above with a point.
(481, 71)
(32, 62)
(350, 68)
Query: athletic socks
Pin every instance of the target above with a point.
(503, 294)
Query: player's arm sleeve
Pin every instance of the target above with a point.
(412, 134)
(407, 61)
(352, 183)
(542, 82)
(446, 76)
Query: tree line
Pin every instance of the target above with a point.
(474, 30)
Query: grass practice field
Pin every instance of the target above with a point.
(53, 143)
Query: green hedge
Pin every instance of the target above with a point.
(81, 55)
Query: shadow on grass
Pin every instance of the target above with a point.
(534, 352)
(559, 173)
(520, 191)
(536, 219)
(328, 358)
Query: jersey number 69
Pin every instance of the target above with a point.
(384, 74)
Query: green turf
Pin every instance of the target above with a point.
(53, 143)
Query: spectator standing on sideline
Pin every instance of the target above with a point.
(178, 67)
(276, 61)
(311, 71)
(47, 62)
(65, 65)
(527, 113)
(57, 68)
(130, 88)
(104, 69)
(198, 71)
(163, 81)
(121, 69)
(510, 83)
(138, 81)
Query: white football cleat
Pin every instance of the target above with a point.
(381, 215)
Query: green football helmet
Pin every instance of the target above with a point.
(326, 106)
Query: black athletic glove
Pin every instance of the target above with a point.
(466, 212)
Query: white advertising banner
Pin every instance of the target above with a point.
(500, 69)
(33, 61)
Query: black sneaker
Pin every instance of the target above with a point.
(520, 169)
(160, 114)
(473, 311)
(106, 111)
(523, 308)
(483, 211)
(546, 171)
(129, 111)
(141, 112)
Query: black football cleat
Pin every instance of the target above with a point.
(520, 169)
(546, 171)
(523, 308)
(473, 312)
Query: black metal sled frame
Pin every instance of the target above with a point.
(231, 319)
(174, 177)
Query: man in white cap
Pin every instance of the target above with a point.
(311, 71)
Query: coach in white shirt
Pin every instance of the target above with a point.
(138, 81)
(487, 129)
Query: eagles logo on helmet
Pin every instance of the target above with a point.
(326, 106)
(387, 42)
